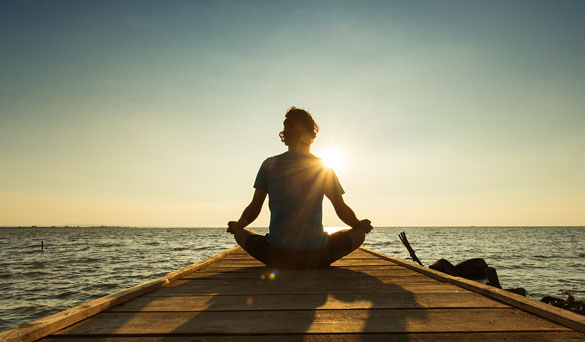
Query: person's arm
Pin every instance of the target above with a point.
(250, 213)
(346, 214)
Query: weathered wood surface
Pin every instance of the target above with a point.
(364, 297)
(184, 287)
(311, 321)
(45, 326)
(256, 272)
(342, 262)
(384, 337)
(567, 318)
(306, 302)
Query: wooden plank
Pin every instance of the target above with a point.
(307, 302)
(266, 286)
(358, 253)
(45, 326)
(213, 268)
(363, 255)
(353, 257)
(547, 311)
(323, 282)
(568, 336)
(352, 272)
(360, 262)
(310, 280)
(234, 290)
(311, 321)
(323, 276)
(342, 262)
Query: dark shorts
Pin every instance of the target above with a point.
(338, 246)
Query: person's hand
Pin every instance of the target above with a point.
(233, 227)
(366, 226)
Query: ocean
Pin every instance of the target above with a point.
(81, 264)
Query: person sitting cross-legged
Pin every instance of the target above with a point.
(296, 182)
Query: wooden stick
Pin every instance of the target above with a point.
(404, 240)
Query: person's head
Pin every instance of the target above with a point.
(299, 128)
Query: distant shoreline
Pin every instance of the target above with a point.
(377, 227)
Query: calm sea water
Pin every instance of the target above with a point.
(80, 264)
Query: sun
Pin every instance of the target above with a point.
(332, 158)
(331, 230)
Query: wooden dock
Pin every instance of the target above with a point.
(366, 296)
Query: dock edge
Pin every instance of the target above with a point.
(547, 311)
(45, 326)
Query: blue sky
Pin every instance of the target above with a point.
(159, 114)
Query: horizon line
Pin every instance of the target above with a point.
(266, 227)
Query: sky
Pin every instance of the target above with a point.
(139, 113)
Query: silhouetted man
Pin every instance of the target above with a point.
(295, 183)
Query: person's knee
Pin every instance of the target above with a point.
(357, 237)
(241, 236)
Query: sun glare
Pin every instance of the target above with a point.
(331, 230)
(332, 158)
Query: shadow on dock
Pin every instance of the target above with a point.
(363, 297)
(249, 303)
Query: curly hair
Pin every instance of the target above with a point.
(298, 122)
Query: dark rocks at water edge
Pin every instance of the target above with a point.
(569, 303)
